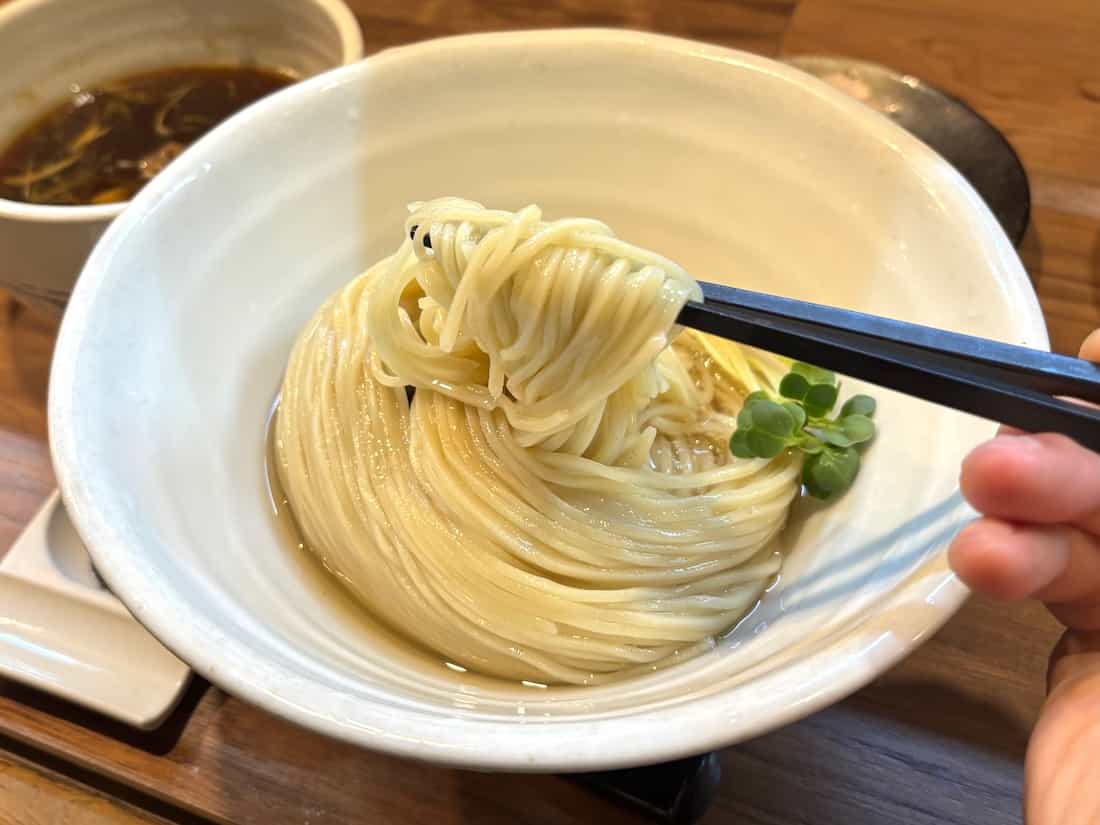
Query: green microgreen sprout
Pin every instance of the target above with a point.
(799, 418)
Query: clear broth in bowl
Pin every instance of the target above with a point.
(107, 141)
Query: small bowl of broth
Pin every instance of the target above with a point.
(96, 99)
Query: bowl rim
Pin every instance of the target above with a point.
(351, 50)
(561, 744)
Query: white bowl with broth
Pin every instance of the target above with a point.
(740, 168)
(48, 47)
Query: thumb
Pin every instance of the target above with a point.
(1063, 759)
(1076, 656)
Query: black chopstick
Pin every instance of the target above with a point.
(1045, 372)
(1006, 383)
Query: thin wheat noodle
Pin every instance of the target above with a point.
(556, 503)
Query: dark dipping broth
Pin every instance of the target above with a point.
(107, 141)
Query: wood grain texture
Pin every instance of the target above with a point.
(26, 477)
(939, 739)
(231, 762)
(45, 799)
(1029, 66)
(756, 25)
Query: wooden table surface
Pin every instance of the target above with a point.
(940, 739)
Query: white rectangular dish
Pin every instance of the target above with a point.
(61, 630)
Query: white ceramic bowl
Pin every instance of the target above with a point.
(739, 167)
(46, 46)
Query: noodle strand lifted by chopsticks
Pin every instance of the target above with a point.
(557, 502)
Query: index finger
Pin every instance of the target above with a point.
(1090, 350)
(1043, 479)
(1046, 479)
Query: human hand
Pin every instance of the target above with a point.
(1039, 537)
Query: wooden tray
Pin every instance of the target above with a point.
(941, 736)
